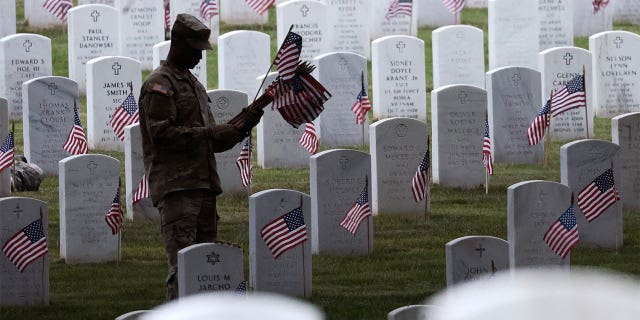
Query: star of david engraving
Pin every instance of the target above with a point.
(213, 258)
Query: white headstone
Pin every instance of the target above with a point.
(557, 67)
(23, 57)
(141, 27)
(616, 70)
(457, 128)
(398, 25)
(133, 173)
(278, 145)
(337, 179)
(475, 257)
(5, 175)
(627, 11)
(581, 162)
(398, 77)
(532, 207)
(221, 306)
(109, 81)
(514, 28)
(433, 13)
(207, 267)
(107, 2)
(340, 73)
(412, 312)
(309, 19)
(514, 101)
(397, 148)
(556, 23)
(587, 23)
(47, 118)
(133, 315)
(39, 17)
(236, 12)
(30, 287)
(8, 18)
(242, 56)
(87, 186)
(458, 56)
(625, 132)
(192, 7)
(541, 294)
(349, 26)
(225, 104)
(161, 50)
(92, 34)
(291, 273)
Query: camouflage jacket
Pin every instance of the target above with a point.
(179, 133)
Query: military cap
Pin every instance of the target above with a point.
(190, 29)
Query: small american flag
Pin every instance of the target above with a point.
(570, 96)
(538, 127)
(599, 4)
(399, 7)
(6, 152)
(260, 6)
(362, 105)
(285, 232)
(58, 8)
(167, 17)
(420, 180)
(288, 56)
(358, 212)
(241, 288)
(76, 140)
(126, 114)
(142, 191)
(114, 215)
(486, 149)
(598, 196)
(208, 9)
(309, 139)
(562, 236)
(244, 163)
(26, 246)
(454, 6)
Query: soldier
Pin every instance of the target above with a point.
(179, 138)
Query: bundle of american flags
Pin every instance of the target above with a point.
(301, 99)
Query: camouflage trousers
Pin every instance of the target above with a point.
(187, 217)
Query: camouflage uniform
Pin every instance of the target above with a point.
(179, 139)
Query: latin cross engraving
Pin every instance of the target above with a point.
(462, 97)
(116, 68)
(400, 46)
(480, 249)
(27, 45)
(52, 88)
(304, 10)
(344, 162)
(95, 14)
(618, 42)
(567, 58)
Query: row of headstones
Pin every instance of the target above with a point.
(532, 207)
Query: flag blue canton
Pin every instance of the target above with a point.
(129, 104)
(486, 129)
(545, 109)
(424, 164)
(364, 198)
(76, 118)
(568, 218)
(294, 219)
(34, 231)
(604, 182)
(575, 85)
(8, 143)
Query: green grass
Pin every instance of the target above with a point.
(407, 264)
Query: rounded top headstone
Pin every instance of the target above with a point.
(233, 307)
(542, 294)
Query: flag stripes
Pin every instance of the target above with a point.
(570, 96)
(76, 142)
(6, 152)
(538, 127)
(244, 163)
(359, 211)
(285, 232)
(562, 236)
(309, 139)
(58, 8)
(260, 6)
(26, 246)
(126, 114)
(142, 191)
(420, 181)
(598, 196)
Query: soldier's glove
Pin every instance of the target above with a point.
(225, 136)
